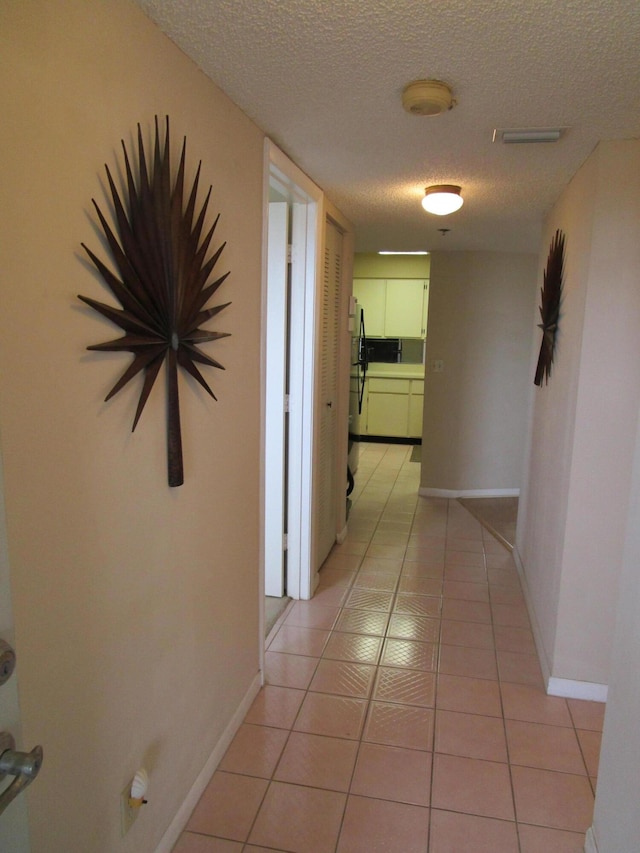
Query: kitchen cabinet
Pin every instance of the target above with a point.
(371, 294)
(388, 407)
(416, 404)
(392, 407)
(405, 310)
(393, 308)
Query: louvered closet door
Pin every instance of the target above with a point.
(327, 484)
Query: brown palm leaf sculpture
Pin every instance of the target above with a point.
(550, 296)
(162, 282)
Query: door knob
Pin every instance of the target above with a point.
(25, 766)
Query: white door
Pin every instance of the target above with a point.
(275, 395)
(328, 365)
(294, 469)
(14, 834)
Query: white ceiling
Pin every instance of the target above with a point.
(323, 78)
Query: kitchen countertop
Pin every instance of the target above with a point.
(377, 370)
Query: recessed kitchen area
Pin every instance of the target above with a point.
(391, 293)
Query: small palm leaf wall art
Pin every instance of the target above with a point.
(162, 282)
(550, 296)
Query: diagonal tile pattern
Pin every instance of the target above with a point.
(404, 709)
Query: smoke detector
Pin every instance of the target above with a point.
(427, 98)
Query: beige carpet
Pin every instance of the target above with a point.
(498, 515)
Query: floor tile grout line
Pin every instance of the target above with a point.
(502, 711)
(370, 694)
(379, 665)
(584, 760)
(498, 679)
(435, 699)
(274, 770)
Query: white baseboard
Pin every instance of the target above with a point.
(570, 689)
(565, 687)
(537, 635)
(278, 623)
(590, 845)
(452, 494)
(342, 535)
(177, 825)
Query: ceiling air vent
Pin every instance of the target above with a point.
(531, 134)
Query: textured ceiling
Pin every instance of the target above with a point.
(323, 78)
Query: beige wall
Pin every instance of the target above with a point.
(14, 830)
(574, 506)
(475, 411)
(136, 606)
(616, 822)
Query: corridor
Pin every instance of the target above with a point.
(404, 710)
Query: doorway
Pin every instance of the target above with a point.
(291, 242)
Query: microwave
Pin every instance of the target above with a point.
(396, 350)
(385, 350)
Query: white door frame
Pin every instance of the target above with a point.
(275, 419)
(306, 205)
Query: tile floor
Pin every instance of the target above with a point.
(404, 710)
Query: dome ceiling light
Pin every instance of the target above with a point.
(427, 98)
(442, 199)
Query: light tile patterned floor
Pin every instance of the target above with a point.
(404, 710)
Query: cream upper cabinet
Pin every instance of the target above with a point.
(405, 309)
(393, 308)
(371, 294)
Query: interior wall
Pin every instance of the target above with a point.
(373, 265)
(572, 518)
(542, 506)
(14, 828)
(475, 409)
(136, 606)
(616, 822)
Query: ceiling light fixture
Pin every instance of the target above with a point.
(427, 98)
(381, 252)
(442, 199)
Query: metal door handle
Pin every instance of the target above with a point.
(25, 766)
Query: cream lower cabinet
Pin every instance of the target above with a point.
(416, 404)
(388, 407)
(393, 407)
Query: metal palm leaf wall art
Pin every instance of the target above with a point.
(550, 297)
(162, 282)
